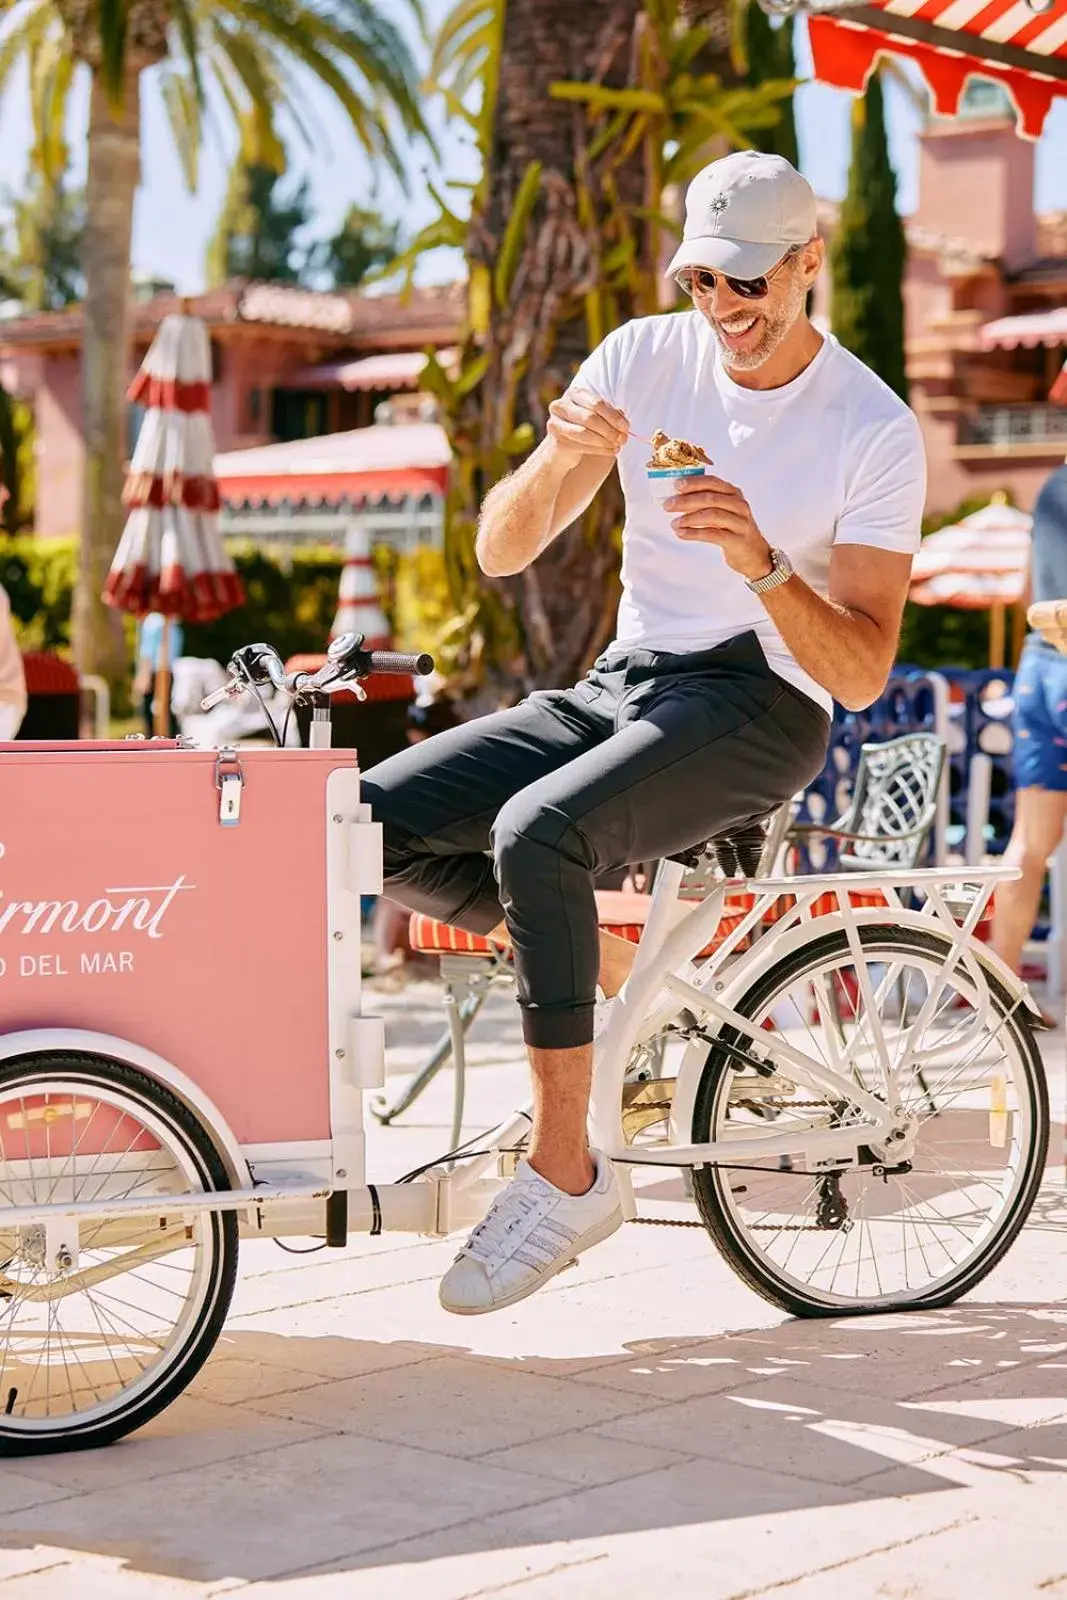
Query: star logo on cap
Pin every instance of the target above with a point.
(718, 205)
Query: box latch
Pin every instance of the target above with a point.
(230, 782)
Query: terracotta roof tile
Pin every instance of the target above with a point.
(428, 314)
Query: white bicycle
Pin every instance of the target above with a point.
(855, 1089)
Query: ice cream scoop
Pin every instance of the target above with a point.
(668, 452)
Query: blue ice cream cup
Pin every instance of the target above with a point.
(663, 481)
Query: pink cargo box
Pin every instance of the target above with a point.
(198, 911)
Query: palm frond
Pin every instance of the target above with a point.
(183, 108)
(24, 35)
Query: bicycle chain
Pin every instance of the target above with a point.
(757, 1227)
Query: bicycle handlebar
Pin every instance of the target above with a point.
(347, 663)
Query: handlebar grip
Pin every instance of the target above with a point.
(227, 692)
(418, 665)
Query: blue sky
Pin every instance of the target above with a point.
(171, 227)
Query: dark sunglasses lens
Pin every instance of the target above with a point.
(748, 288)
(698, 281)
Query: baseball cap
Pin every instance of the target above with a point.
(743, 212)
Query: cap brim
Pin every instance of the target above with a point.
(738, 257)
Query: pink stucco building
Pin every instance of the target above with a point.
(985, 301)
(986, 311)
(288, 364)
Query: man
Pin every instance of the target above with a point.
(750, 600)
(12, 676)
(1040, 723)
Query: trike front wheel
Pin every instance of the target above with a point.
(915, 1226)
(103, 1322)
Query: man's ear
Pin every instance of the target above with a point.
(812, 258)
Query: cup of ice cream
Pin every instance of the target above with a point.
(671, 461)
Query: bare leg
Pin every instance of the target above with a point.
(559, 1142)
(562, 1079)
(1039, 820)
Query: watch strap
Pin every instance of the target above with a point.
(781, 572)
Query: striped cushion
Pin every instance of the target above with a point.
(619, 911)
(624, 913)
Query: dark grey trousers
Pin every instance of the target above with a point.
(516, 814)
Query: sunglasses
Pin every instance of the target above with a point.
(701, 280)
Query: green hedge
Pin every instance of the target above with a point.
(290, 601)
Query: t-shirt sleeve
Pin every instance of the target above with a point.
(602, 370)
(887, 495)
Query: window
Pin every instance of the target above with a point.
(298, 414)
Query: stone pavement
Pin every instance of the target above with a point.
(645, 1422)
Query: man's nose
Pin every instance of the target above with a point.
(724, 302)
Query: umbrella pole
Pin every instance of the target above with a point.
(163, 684)
(996, 636)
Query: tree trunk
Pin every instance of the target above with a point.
(545, 626)
(114, 173)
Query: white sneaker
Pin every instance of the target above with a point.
(531, 1231)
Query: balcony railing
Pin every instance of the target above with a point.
(1008, 427)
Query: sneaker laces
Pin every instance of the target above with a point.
(510, 1220)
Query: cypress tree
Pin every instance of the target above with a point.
(869, 250)
(769, 53)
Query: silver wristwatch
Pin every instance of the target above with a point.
(781, 572)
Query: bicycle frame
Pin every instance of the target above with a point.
(453, 1196)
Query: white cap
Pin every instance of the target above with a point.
(742, 214)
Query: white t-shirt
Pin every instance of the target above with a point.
(832, 458)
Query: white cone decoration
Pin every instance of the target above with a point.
(171, 556)
(358, 610)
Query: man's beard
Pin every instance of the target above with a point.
(776, 324)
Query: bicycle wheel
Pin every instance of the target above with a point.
(916, 1227)
(93, 1344)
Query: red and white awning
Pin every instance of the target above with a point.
(400, 369)
(363, 464)
(1017, 43)
(1035, 329)
(978, 562)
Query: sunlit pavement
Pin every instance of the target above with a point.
(645, 1422)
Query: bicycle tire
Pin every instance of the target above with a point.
(708, 1181)
(221, 1235)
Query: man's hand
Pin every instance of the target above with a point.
(581, 425)
(712, 511)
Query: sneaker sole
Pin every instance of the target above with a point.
(585, 1241)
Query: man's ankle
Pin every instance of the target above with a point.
(575, 1176)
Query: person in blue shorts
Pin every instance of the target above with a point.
(1040, 725)
(149, 654)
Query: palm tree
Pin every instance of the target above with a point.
(253, 59)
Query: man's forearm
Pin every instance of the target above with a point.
(518, 516)
(841, 648)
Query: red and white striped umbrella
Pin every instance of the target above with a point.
(171, 557)
(977, 563)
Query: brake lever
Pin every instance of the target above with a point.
(229, 691)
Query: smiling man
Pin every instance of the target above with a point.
(763, 591)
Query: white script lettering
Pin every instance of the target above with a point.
(142, 910)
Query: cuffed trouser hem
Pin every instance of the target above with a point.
(545, 1029)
